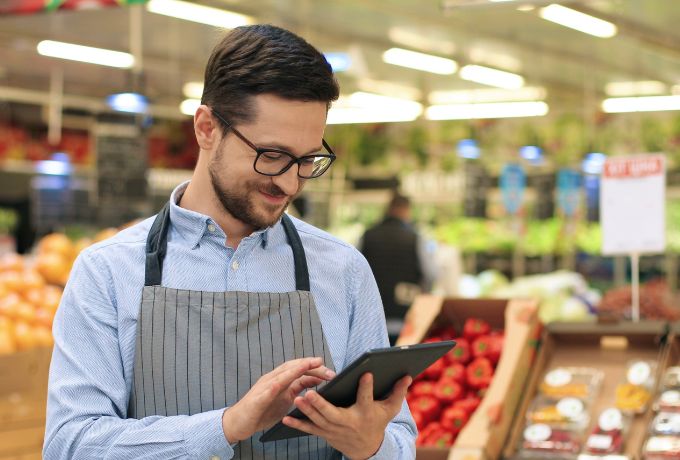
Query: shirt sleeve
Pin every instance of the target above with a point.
(88, 394)
(368, 330)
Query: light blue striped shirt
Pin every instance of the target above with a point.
(95, 326)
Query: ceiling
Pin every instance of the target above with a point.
(573, 67)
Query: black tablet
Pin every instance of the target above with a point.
(387, 366)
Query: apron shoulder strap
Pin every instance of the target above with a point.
(301, 271)
(156, 246)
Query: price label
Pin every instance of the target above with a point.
(537, 432)
(558, 377)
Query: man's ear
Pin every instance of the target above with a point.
(206, 129)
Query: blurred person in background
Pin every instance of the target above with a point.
(399, 259)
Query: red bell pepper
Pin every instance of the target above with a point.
(448, 391)
(433, 428)
(474, 328)
(442, 439)
(435, 370)
(422, 388)
(443, 333)
(454, 372)
(428, 406)
(469, 404)
(488, 346)
(460, 353)
(454, 419)
(419, 419)
(479, 373)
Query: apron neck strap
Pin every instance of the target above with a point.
(157, 244)
(301, 271)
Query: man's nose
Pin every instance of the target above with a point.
(289, 181)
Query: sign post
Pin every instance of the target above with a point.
(632, 211)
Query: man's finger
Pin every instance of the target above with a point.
(302, 425)
(307, 363)
(398, 394)
(365, 391)
(322, 372)
(304, 382)
(312, 413)
(329, 411)
(287, 377)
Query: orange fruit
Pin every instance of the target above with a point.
(9, 305)
(44, 317)
(11, 261)
(51, 298)
(12, 280)
(31, 279)
(6, 325)
(53, 267)
(43, 336)
(34, 296)
(25, 312)
(24, 338)
(7, 345)
(57, 243)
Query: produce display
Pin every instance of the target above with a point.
(608, 436)
(634, 394)
(664, 431)
(446, 394)
(656, 302)
(31, 288)
(560, 413)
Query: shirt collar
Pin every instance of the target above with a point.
(192, 226)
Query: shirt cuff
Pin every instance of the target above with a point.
(388, 449)
(204, 436)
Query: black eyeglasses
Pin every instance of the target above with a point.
(274, 162)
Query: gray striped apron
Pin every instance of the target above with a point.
(197, 351)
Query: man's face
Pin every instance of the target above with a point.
(250, 197)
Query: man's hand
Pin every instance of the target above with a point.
(356, 431)
(271, 397)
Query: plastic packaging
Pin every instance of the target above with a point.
(570, 413)
(635, 393)
(541, 441)
(608, 435)
(662, 448)
(666, 423)
(669, 396)
(572, 382)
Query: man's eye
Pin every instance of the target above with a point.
(272, 156)
(308, 161)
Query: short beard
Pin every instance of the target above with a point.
(238, 204)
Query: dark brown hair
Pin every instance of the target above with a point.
(264, 59)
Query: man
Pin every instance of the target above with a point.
(397, 256)
(187, 335)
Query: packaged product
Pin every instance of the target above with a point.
(569, 412)
(633, 395)
(669, 395)
(541, 441)
(574, 382)
(608, 435)
(662, 448)
(666, 423)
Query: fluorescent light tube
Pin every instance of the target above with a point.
(189, 106)
(198, 13)
(491, 77)
(578, 21)
(193, 89)
(492, 110)
(641, 104)
(420, 61)
(634, 88)
(363, 107)
(87, 54)
(471, 96)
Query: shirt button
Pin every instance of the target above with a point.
(234, 265)
(211, 228)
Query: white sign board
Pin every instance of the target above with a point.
(633, 205)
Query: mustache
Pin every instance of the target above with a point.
(273, 190)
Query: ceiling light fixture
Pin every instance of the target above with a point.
(578, 21)
(87, 54)
(363, 107)
(198, 13)
(420, 61)
(189, 106)
(634, 88)
(641, 104)
(193, 89)
(471, 96)
(491, 110)
(491, 77)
